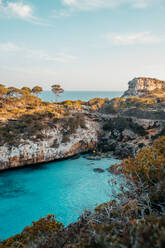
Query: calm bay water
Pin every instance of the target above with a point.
(63, 188)
(80, 95)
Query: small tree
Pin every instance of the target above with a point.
(26, 89)
(36, 90)
(57, 90)
(3, 91)
(14, 92)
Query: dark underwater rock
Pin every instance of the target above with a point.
(76, 157)
(93, 158)
(99, 170)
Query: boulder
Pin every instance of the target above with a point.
(128, 135)
(125, 150)
(93, 158)
(99, 170)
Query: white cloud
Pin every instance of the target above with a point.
(20, 9)
(134, 38)
(16, 9)
(94, 4)
(36, 54)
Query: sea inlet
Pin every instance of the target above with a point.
(64, 188)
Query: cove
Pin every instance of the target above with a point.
(64, 188)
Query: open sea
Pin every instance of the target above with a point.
(79, 95)
(64, 188)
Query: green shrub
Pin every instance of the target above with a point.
(42, 233)
(121, 123)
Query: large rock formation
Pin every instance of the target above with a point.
(142, 86)
(123, 141)
(43, 132)
(30, 152)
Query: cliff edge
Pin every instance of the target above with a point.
(142, 87)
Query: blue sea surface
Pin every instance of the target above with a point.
(48, 96)
(64, 188)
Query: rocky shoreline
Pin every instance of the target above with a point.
(30, 152)
(122, 126)
(122, 143)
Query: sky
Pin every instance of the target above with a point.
(82, 44)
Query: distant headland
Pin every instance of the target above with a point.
(143, 86)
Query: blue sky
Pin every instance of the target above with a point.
(85, 44)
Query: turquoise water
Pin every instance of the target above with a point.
(80, 95)
(63, 188)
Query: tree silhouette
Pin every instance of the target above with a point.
(26, 89)
(3, 91)
(57, 90)
(36, 90)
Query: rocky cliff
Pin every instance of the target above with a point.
(142, 86)
(123, 136)
(32, 131)
(50, 148)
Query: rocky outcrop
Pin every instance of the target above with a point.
(126, 141)
(125, 150)
(123, 137)
(99, 170)
(144, 114)
(141, 86)
(43, 132)
(30, 152)
(121, 149)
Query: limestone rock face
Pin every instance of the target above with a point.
(30, 152)
(141, 86)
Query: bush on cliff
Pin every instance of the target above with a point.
(121, 123)
(72, 123)
(25, 116)
(159, 134)
(25, 127)
(135, 219)
(43, 233)
(120, 104)
(148, 168)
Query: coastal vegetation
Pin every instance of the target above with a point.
(133, 128)
(119, 104)
(121, 123)
(25, 115)
(135, 219)
(57, 90)
(16, 102)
